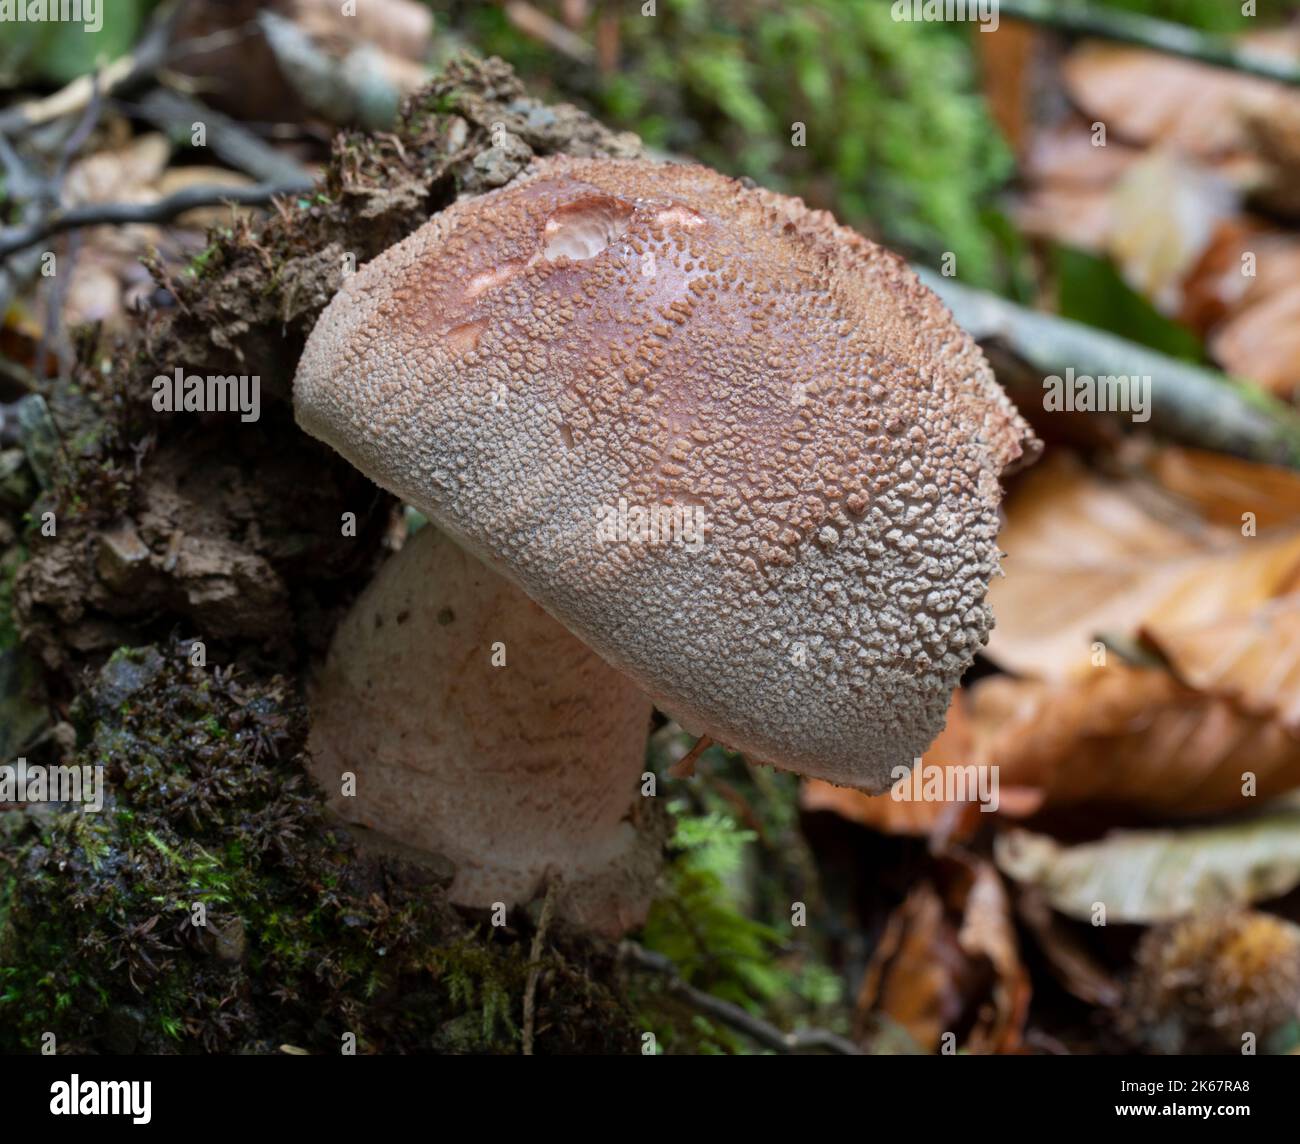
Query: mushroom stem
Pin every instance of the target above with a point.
(479, 728)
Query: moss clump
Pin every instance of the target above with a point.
(306, 937)
(710, 926)
(10, 562)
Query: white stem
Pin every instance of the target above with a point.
(480, 728)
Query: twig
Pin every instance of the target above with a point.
(69, 100)
(85, 128)
(51, 336)
(229, 140)
(532, 21)
(684, 768)
(1158, 35)
(52, 340)
(216, 41)
(31, 193)
(758, 1030)
(17, 238)
(23, 185)
(1189, 404)
(535, 961)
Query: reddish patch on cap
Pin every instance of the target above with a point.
(465, 337)
(581, 230)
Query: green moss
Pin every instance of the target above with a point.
(481, 985)
(426, 106)
(701, 928)
(725, 919)
(209, 813)
(202, 262)
(896, 141)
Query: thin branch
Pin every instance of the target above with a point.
(535, 961)
(23, 184)
(18, 238)
(533, 22)
(684, 768)
(1189, 404)
(31, 193)
(755, 1028)
(1158, 35)
(85, 128)
(228, 139)
(52, 340)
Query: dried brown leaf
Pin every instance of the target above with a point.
(1134, 738)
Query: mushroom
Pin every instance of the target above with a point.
(747, 465)
(481, 729)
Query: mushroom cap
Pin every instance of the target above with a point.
(535, 365)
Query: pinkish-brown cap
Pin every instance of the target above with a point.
(547, 369)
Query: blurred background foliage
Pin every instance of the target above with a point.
(898, 141)
(58, 52)
(1208, 15)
